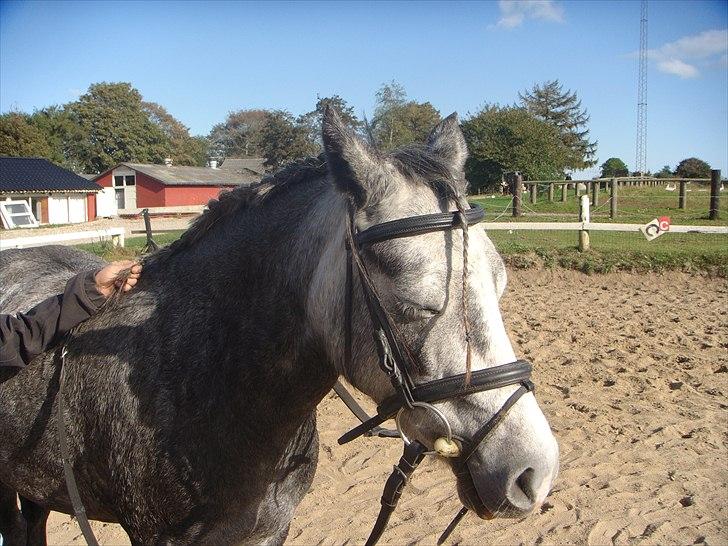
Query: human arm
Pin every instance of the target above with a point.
(25, 335)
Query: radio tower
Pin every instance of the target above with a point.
(641, 155)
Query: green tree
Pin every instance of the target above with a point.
(397, 121)
(693, 167)
(20, 138)
(184, 149)
(239, 135)
(114, 127)
(563, 110)
(283, 140)
(665, 172)
(503, 139)
(312, 120)
(614, 167)
(60, 131)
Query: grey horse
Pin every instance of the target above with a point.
(191, 401)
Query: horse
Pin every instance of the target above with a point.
(190, 401)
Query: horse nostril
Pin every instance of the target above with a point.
(522, 493)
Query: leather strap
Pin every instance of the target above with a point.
(445, 389)
(408, 463)
(475, 441)
(71, 485)
(416, 225)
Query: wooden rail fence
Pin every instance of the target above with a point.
(593, 187)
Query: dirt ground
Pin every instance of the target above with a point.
(632, 373)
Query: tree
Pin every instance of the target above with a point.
(503, 139)
(19, 138)
(239, 135)
(184, 149)
(312, 120)
(283, 140)
(665, 172)
(114, 127)
(59, 130)
(563, 110)
(693, 167)
(397, 121)
(614, 167)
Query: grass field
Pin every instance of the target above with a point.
(615, 251)
(635, 205)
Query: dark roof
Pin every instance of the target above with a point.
(172, 175)
(242, 164)
(24, 174)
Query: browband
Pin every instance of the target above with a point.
(446, 388)
(414, 225)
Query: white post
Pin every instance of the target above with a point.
(584, 217)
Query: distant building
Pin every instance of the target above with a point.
(54, 195)
(132, 186)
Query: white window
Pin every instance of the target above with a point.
(17, 214)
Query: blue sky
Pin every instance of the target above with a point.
(201, 60)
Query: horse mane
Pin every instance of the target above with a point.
(416, 161)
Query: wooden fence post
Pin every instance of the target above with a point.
(613, 203)
(534, 193)
(681, 199)
(564, 191)
(551, 192)
(714, 194)
(595, 193)
(576, 190)
(517, 194)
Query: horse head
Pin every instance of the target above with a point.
(420, 283)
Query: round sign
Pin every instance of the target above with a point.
(664, 223)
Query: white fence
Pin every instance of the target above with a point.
(115, 235)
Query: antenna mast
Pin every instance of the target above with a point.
(641, 154)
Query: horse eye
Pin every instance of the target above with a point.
(409, 312)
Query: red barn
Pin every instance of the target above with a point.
(132, 186)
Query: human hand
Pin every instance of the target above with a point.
(121, 276)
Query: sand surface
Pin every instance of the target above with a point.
(632, 373)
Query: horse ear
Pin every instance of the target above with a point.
(357, 169)
(447, 141)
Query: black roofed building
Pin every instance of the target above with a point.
(54, 195)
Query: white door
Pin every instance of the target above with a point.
(76, 209)
(130, 197)
(106, 203)
(58, 210)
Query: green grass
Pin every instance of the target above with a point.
(615, 251)
(134, 246)
(611, 251)
(635, 205)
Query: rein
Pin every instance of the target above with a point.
(396, 360)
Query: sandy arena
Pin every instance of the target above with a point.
(632, 373)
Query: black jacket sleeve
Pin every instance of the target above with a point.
(26, 335)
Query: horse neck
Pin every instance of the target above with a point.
(246, 282)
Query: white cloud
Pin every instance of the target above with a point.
(514, 12)
(682, 56)
(678, 67)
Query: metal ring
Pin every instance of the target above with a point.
(423, 405)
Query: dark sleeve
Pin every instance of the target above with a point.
(26, 335)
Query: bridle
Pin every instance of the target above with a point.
(396, 361)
